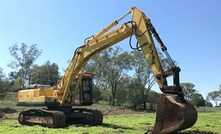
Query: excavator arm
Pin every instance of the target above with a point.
(141, 27)
(173, 112)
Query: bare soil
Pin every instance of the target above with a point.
(118, 111)
(10, 96)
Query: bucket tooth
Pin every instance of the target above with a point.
(173, 114)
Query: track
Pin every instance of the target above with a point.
(59, 119)
(43, 117)
(85, 116)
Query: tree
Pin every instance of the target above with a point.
(143, 74)
(24, 57)
(188, 90)
(1, 78)
(5, 85)
(1, 74)
(110, 66)
(208, 104)
(197, 100)
(4, 82)
(152, 99)
(46, 74)
(121, 95)
(135, 93)
(96, 94)
(214, 96)
(106, 96)
(15, 80)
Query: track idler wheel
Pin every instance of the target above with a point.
(173, 114)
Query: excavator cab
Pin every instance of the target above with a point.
(86, 95)
(84, 84)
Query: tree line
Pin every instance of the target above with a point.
(122, 78)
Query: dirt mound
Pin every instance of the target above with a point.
(118, 111)
(10, 96)
(8, 113)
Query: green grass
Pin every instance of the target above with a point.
(209, 119)
(129, 124)
(117, 124)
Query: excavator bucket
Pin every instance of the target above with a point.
(173, 114)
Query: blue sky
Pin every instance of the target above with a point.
(190, 29)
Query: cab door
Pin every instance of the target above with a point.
(86, 95)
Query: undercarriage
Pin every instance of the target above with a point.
(60, 118)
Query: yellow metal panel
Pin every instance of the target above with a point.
(36, 95)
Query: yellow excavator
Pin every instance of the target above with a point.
(75, 88)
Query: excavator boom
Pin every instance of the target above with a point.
(173, 112)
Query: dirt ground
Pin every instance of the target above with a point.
(118, 111)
